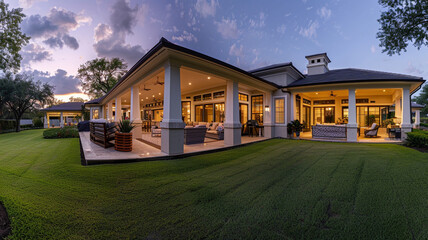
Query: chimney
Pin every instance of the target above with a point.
(317, 63)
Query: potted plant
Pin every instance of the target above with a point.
(294, 127)
(123, 136)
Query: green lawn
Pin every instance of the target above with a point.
(274, 189)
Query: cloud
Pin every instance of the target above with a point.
(34, 53)
(110, 39)
(324, 13)
(63, 83)
(28, 3)
(373, 49)
(412, 69)
(310, 31)
(257, 23)
(185, 36)
(237, 52)
(55, 27)
(206, 8)
(281, 29)
(123, 17)
(227, 28)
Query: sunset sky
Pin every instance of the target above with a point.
(248, 34)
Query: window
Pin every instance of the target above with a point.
(243, 97)
(207, 96)
(185, 111)
(243, 113)
(298, 99)
(324, 115)
(197, 98)
(95, 114)
(218, 94)
(279, 110)
(158, 115)
(199, 113)
(318, 60)
(219, 112)
(257, 108)
(208, 113)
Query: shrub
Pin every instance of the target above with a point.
(66, 132)
(424, 124)
(417, 138)
(37, 122)
(7, 125)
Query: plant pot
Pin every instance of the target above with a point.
(297, 134)
(123, 142)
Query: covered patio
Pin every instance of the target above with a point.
(173, 93)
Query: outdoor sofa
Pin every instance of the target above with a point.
(329, 131)
(102, 132)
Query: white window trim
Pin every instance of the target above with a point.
(285, 111)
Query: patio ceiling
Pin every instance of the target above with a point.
(358, 92)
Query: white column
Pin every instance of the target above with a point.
(352, 117)
(135, 111)
(91, 109)
(172, 125)
(232, 126)
(406, 123)
(417, 117)
(45, 121)
(109, 111)
(61, 120)
(269, 126)
(47, 115)
(118, 109)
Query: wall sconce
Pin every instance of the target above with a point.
(267, 108)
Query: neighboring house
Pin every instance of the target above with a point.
(63, 114)
(416, 114)
(176, 86)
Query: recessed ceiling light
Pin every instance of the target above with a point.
(125, 100)
(316, 93)
(147, 97)
(159, 93)
(190, 83)
(208, 78)
(139, 93)
(384, 90)
(153, 96)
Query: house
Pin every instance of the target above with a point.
(173, 86)
(63, 114)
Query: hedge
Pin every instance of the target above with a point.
(417, 138)
(65, 132)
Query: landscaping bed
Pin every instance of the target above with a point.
(276, 189)
(65, 132)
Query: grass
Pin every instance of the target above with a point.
(272, 190)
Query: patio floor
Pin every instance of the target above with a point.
(141, 151)
(382, 138)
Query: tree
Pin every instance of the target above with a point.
(21, 94)
(423, 99)
(76, 99)
(98, 76)
(403, 21)
(11, 37)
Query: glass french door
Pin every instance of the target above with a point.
(306, 118)
(323, 115)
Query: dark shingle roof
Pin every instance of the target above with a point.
(349, 75)
(273, 66)
(417, 105)
(167, 44)
(70, 106)
(94, 101)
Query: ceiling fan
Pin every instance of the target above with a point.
(159, 82)
(332, 95)
(146, 89)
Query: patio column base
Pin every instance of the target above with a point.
(172, 138)
(137, 131)
(232, 134)
(405, 128)
(352, 133)
(269, 130)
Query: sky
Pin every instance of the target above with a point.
(248, 34)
